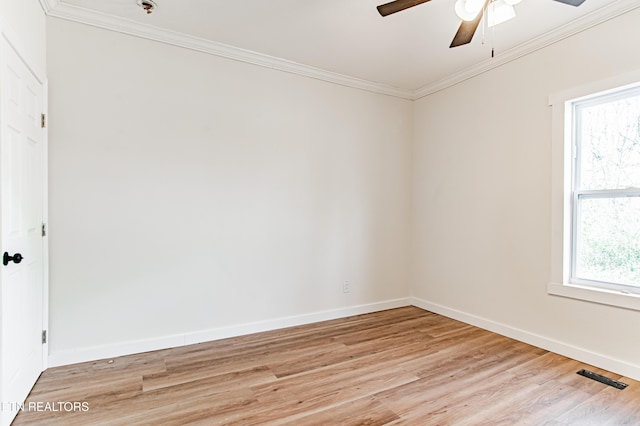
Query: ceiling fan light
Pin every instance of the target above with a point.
(467, 10)
(512, 2)
(474, 6)
(499, 11)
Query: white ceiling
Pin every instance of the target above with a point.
(403, 54)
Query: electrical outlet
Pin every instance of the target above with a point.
(346, 287)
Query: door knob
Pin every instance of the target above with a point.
(16, 258)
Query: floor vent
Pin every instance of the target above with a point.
(602, 379)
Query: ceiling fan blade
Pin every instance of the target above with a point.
(572, 2)
(398, 5)
(468, 28)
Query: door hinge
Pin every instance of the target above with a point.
(44, 229)
(44, 336)
(43, 120)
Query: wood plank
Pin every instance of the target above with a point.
(398, 367)
(502, 402)
(610, 406)
(365, 411)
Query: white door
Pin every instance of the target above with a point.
(21, 215)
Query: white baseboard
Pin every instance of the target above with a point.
(580, 354)
(165, 342)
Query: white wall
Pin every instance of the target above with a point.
(482, 199)
(23, 22)
(190, 192)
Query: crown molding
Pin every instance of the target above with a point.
(581, 24)
(130, 27)
(49, 5)
(78, 14)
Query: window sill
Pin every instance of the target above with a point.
(595, 295)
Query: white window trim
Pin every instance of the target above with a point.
(561, 164)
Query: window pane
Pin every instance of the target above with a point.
(610, 144)
(608, 246)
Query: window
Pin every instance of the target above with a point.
(605, 202)
(595, 224)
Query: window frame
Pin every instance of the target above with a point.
(579, 194)
(564, 200)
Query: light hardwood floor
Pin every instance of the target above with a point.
(404, 366)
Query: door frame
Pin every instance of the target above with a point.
(45, 223)
(14, 43)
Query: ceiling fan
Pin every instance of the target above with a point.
(467, 28)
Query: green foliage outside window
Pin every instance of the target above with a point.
(609, 223)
